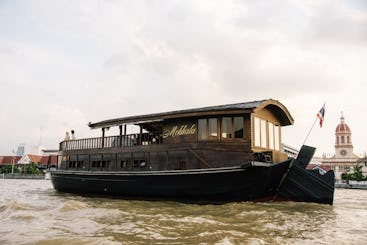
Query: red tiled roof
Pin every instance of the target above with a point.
(35, 158)
(51, 159)
(8, 160)
(44, 160)
(324, 167)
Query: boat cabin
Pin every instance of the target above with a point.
(209, 137)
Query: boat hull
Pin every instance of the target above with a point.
(249, 182)
(212, 185)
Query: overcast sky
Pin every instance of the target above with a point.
(66, 63)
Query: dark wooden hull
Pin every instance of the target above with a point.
(249, 182)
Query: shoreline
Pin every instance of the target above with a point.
(351, 186)
(14, 176)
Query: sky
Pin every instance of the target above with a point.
(66, 63)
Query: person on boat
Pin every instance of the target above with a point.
(73, 135)
(67, 136)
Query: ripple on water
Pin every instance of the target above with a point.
(33, 213)
(72, 205)
(13, 205)
(78, 241)
(16, 210)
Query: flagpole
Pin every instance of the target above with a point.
(310, 131)
(12, 167)
(320, 116)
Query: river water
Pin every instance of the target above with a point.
(32, 212)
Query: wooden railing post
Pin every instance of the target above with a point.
(120, 139)
(140, 136)
(103, 131)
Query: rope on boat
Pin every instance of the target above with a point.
(282, 180)
(199, 157)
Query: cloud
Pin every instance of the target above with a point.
(94, 60)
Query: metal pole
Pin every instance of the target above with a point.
(309, 131)
(120, 136)
(12, 167)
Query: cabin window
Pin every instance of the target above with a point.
(226, 127)
(79, 164)
(124, 161)
(124, 164)
(105, 163)
(202, 126)
(72, 161)
(96, 161)
(266, 134)
(257, 131)
(271, 135)
(213, 128)
(238, 127)
(96, 164)
(72, 164)
(263, 133)
(109, 161)
(61, 162)
(277, 137)
(208, 129)
(230, 128)
(140, 163)
(83, 161)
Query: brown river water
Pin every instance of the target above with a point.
(32, 212)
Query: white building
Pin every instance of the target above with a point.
(343, 160)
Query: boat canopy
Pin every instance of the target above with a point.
(275, 106)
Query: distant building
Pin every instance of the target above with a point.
(291, 151)
(45, 161)
(21, 149)
(46, 152)
(343, 160)
(9, 160)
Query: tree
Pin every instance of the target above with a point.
(31, 169)
(355, 175)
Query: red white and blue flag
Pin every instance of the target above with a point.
(321, 115)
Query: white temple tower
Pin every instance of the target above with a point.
(344, 159)
(343, 140)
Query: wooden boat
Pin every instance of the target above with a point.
(205, 155)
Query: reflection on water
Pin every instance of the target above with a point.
(31, 212)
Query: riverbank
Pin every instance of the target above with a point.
(362, 185)
(26, 176)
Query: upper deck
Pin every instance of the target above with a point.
(256, 124)
(217, 136)
(275, 107)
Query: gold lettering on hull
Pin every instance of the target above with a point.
(180, 131)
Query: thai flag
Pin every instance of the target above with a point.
(321, 115)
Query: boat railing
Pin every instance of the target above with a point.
(111, 141)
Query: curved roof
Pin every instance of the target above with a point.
(342, 126)
(247, 107)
